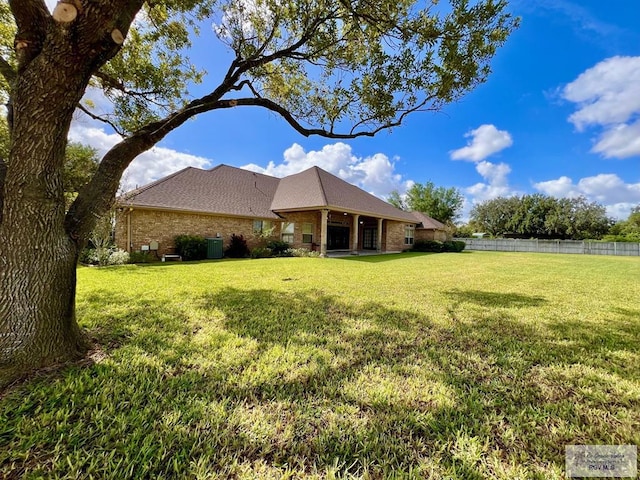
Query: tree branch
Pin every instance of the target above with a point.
(101, 119)
(32, 18)
(114, 83)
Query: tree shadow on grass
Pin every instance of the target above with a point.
(268, 380)
(497, 299)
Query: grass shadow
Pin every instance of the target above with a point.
(497, 299)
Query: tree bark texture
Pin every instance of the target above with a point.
(38, 255)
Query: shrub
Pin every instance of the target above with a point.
(630, 237)
(103, 256)
(85, 256)
(453, 246)
(278, 248)
(302, 252)
(427, 246)
(261, 252)
(140, 257)
(237, 248)
(191, 247)
(118, 257)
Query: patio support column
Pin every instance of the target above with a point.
(379, 242)
(323, 232)
(356, 219)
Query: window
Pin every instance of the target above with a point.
(287, 232)
(409, 231)
(262, 227)
(307, 233)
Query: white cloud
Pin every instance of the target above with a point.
(375, 174)
(496, 182)
(562, 187)
(608, 96)
(147, 167)
(485, 141)
(620, 141)
(607, 189)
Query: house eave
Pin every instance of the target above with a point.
(134, 207)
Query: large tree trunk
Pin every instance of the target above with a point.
(37, 256)
(37, 294)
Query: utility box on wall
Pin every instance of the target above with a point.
(214, 248)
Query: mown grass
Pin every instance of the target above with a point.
(463, 366)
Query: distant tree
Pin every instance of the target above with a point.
(588, 220)
(443, 204)
(397, 201)
(627, 230)
(464, 231)
(495, 216)
(542, 216)
(80, 164)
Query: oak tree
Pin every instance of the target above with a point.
(442, 203)
(338, 69)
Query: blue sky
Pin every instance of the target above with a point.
(560, 114)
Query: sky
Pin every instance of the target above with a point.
(559, 115)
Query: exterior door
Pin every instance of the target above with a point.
(338, 238)
(369, 238)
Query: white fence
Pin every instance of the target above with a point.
(552, 246)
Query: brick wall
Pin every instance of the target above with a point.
(298, 218)
(163, 227)
(394, 236)
(439, 235)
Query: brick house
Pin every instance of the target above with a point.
(312, 209)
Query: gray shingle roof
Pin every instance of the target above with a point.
(316, 188)
(228, 190)
(427, 222)
(223, 190)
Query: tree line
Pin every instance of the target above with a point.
(539, 216)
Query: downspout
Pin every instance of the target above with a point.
(129, 229)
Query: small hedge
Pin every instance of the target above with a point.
(427, 246)
(437, 247)
(237, 247)
(279, 248)
(261, 252)
(453, 246)
(191, 247)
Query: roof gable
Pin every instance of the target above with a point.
(317, 188)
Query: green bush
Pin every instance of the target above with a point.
(191, 247)
(453, 246)
(427, 246)
(140, 257)
(237, 248)
(630, 237)
(279, 248)
(261, 252)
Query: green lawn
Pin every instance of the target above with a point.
(468, 366)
